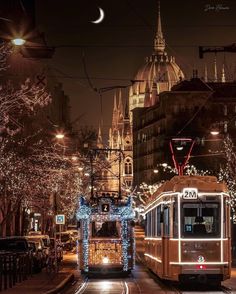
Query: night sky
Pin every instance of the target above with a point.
(116, 48)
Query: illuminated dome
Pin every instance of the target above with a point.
(159, 74)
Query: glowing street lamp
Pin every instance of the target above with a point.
(60, 136)
(18, 41)
(215, 132)
(74, 158)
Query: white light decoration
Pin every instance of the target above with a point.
(124, 213)
(18, 41)
(105, 260)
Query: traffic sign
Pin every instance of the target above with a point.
(60, 219)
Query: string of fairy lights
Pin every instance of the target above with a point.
(227, 173)
(31, 168)
(123, 213)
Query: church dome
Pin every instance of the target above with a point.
(159, 69)
(160, 73)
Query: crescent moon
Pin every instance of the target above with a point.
(101, 17)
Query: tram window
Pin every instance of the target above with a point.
(201, 219)
(175, 220)
(159, 220)
(105, 229)
(166, 221)
(149, 224)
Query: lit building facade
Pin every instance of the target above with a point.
(189, 110)
(159, 73)
(120, 138)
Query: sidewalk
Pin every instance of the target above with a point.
(43, 283)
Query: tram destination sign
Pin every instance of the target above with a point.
(190, 193)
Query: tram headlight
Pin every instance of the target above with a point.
(105, 260)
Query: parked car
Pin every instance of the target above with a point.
(15, 244)
(59, 248)
(44, 241)
(39, 258)
(75, 236)
(66, 240)
(33, 233)
(18, 247)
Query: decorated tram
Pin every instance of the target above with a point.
(187, 234)
(106, 242)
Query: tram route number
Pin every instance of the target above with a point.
(190, 193)
(105, 207)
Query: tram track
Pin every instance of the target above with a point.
(82, 287)
(179, 289)
(133, 286)
(108, 286)
(226, 290)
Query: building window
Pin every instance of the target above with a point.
(225, 109)
(128, 167)
(128, 183)
(225, 126)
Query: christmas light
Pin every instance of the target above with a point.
(121, 212)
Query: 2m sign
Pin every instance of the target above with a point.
(190, 193)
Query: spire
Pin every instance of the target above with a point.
(147, 97)
(205, 74)
(215, 71)
(99, 138)
(114, 115)
(154, 94)
(110, 139)
(115, 105)
(120, 106)
(126, 109)
(223, 74)
(159, 42)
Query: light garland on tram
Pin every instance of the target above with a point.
(124, 213)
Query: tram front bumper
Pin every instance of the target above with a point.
(105, 269)
(193, 274)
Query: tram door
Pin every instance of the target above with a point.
(165, 241)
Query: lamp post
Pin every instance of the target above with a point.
(60, 137)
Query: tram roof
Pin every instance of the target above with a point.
(202, 183)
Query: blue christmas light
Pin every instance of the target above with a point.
(123, 213)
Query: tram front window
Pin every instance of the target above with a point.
(201, 220)
(105, 229)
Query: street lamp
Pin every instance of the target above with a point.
(215, 132)
(60, 136)
(18, 41)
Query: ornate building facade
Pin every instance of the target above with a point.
(120, 171)
(159, 73)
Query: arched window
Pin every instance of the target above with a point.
(128, 166)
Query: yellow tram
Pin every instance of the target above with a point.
(187, 235)
(106, 242)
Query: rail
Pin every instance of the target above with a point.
(14, 268)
